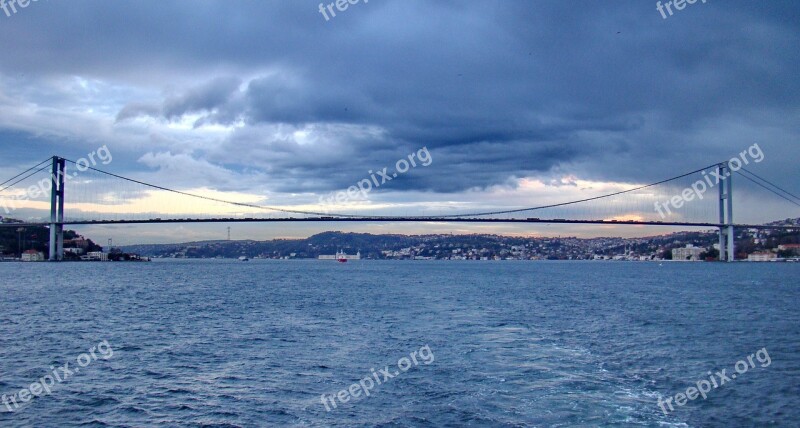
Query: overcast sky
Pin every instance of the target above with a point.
(517, 102)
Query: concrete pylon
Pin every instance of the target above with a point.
(726, 232)
(731, 253)
(57, 210)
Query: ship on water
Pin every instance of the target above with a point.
(341, 256)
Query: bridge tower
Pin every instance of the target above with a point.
(726, 244)
(57, 209)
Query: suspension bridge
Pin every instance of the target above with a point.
(98, 197)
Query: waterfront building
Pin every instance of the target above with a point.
(761, 257)
(689, 253)
(32, 256)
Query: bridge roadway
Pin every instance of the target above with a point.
(398, 220)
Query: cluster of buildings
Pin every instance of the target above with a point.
(684, 246)
(501, 248)
(774, 256)
(92, 256)
(77, 248)
(753, 244)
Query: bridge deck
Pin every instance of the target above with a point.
(399, 220)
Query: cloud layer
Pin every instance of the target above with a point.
(270, 98)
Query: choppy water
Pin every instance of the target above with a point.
(224, 343)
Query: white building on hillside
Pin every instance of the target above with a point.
(32, 256)
(761, 257)
(690, 253)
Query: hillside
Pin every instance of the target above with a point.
(441, 246)
(13, 240)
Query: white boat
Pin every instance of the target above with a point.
(341, 257)
(244, 259)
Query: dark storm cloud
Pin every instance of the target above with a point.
(205, 97)
(495, 89)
